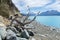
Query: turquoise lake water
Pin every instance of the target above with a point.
(48, 20)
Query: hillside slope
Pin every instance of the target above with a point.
(7, 8)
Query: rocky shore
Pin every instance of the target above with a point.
(32, 31)
(41, 32)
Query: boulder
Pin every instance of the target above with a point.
(12, 29)
(25, 34)
(11, 35)
(2, 30)
(12, 38)
(31, 33)
(0, 38)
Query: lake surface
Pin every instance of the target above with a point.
(48, 20)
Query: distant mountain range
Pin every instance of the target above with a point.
(50, 13)
(47, 13)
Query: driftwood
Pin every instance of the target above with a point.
(22, 25)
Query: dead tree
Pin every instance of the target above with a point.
(22, 24)
(27, 16)
(22, 29)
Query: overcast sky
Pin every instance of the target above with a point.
(37, 5)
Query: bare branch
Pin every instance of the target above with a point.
(20, 23)
(27, 14)
(32, 19)
(12, 21)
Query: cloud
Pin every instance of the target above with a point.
(37, 5)
(55, 6)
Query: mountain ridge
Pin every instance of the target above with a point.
(47, 13)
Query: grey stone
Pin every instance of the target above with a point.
(2, 32)
(0, 38)
(13, 29)
(11, 35)
(31, 33)
(12, 38)
(22, 39)
(25, 34)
